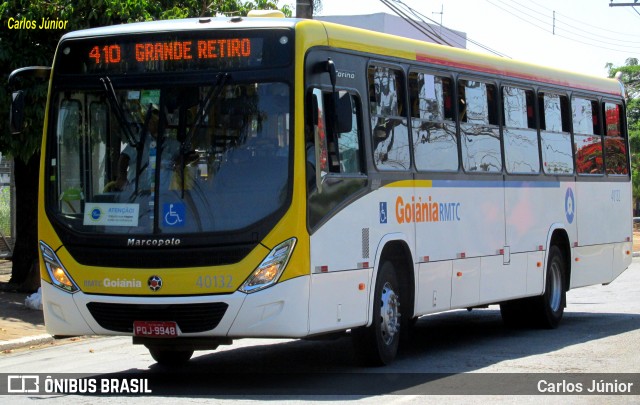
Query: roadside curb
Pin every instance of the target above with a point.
(25, 341)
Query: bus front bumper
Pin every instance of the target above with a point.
(278, 311)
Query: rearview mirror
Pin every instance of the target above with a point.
(343, 113)
(16, 114)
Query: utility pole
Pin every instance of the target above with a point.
(441, 13)
(304, 8)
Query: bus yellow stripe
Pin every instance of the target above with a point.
(411, 183)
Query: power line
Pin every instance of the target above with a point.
(406, 10)
(569, 34)
(584, 23)
(559, 17)
(425, 30)
(559, 24)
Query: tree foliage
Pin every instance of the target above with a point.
(629, 74)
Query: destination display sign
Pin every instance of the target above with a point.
(175, 52)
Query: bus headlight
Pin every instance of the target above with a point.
(56, 270)
(269, 271)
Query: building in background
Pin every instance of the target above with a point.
(392, 24)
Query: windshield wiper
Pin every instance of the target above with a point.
(213, 94)
(140, 147)
(118, 110)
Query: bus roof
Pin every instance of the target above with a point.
(187, 24)
(357, 39)
(341, 36)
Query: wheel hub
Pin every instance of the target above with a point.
(555, 298)
(389, 313)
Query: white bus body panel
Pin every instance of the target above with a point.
(532, 208)
(493, 248)
(604, 227)
(337, 301)
(434, 287)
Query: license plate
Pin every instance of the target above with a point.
(161, 329)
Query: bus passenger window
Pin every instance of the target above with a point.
(554, 114)
(588, 142)
(615, 145)
(435, 144)
(520, 135)
(479, 130)
(557, 156)
(388, 120)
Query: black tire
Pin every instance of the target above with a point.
(377, 345)
(169, 356)
(515, 313)
(549, 307)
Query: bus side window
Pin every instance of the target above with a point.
(586, 135)
(315, 136)
(615, 145)
(388, 118)
(520, 135)
(557, 154)
(479, 127)
(344, 148)
(435, 143)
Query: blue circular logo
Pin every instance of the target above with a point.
(96, 214)
(569, 205)
(154, 283)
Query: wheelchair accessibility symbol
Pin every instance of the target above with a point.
(173, 214)
(383, 212)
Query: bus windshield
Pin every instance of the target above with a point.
(169, 159)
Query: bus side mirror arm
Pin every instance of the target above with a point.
(342, 107)
(333, 73)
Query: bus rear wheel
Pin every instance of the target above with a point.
(377, 345)
(549, 307)
(545, 310)
(170, 356)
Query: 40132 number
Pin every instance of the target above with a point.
(223, 281)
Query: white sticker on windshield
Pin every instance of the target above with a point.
(111, 214)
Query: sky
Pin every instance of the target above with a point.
(588, 33)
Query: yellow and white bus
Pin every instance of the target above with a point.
(210, 179)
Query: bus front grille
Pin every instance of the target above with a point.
(191, 318)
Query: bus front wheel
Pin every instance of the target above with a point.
(377, 345)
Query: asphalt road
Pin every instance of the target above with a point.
(466, 352)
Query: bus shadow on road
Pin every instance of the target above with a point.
(462, 341)
(442, 346)
(452, 342)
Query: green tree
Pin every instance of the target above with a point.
(629, 74)
(33, 47)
